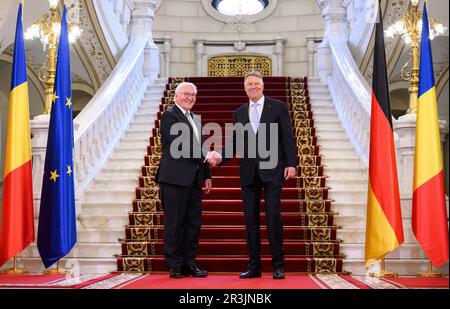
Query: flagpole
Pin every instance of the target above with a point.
(14, 270)
(383, 273)
(430, 273)
(56, 271)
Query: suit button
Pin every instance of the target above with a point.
(198, 166)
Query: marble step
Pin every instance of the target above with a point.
(106, 250)
(133, 144)
(155, 93)
(138, 133)
(119, 184)
(347, 172)
(333, 142)
(329, 133)
(325, 115)
(74, 265)
(102, 208)
(328, 124)
(402, 267)
(348, 196)
(345, 149)
(81, 250)
(115, 163)
(144, 118)
(141, 125)
(343, 162)
(359, 222)
(148, 109)
(119, 221)
(408, 267)
(320, 108)
(103, 194)
(121, 174)
(100, 235)
(317, 88)
(161, 81)
(154, 100)
(129, 153)
(358, 235)
(348, 184)
(404, 252)
(322, 102)
(102, 221)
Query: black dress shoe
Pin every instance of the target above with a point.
(175, 273)
(251, 273)
(194, 271)
(279, 273)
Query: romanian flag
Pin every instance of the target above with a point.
(17, 225)
(429, 216)
(57, 232)
(384, 228)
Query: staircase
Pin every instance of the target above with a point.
(309, 229)
(102, 213)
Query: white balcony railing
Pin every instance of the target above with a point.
(351, 96)
(101, 123)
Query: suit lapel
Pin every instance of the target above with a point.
(246, 116)
(185, 120)
(181, 115)
(266, 110)
(198, 124)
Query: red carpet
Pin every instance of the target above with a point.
(216, 281)
(52, 281)
(310, 235)
(442, 283)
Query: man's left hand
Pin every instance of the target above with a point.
(208, 185)
(289, 172)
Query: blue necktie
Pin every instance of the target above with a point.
(255, 117)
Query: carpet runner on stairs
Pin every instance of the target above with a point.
(310, 239)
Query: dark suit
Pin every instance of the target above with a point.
(180, 181)
(253, 178)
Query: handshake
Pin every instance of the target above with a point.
(213, 158)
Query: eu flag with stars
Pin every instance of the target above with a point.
(57, 232)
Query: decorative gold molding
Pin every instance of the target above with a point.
(239, 65)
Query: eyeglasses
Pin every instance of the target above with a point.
(189, 94)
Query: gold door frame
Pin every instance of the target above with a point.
(239, 65)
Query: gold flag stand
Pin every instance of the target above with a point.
(56, 271)
(14, 270)
(430, 273)
(383, 273)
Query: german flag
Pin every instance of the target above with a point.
(17, 225)
(429, 215)
(384, 228)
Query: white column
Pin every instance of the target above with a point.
(279, 51)
(334, 15)
(310, 46)
(166, 55)
(199, 53)
(335, 21)
(39, 130)
(141, 26)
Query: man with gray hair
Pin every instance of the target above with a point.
(182, 172)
